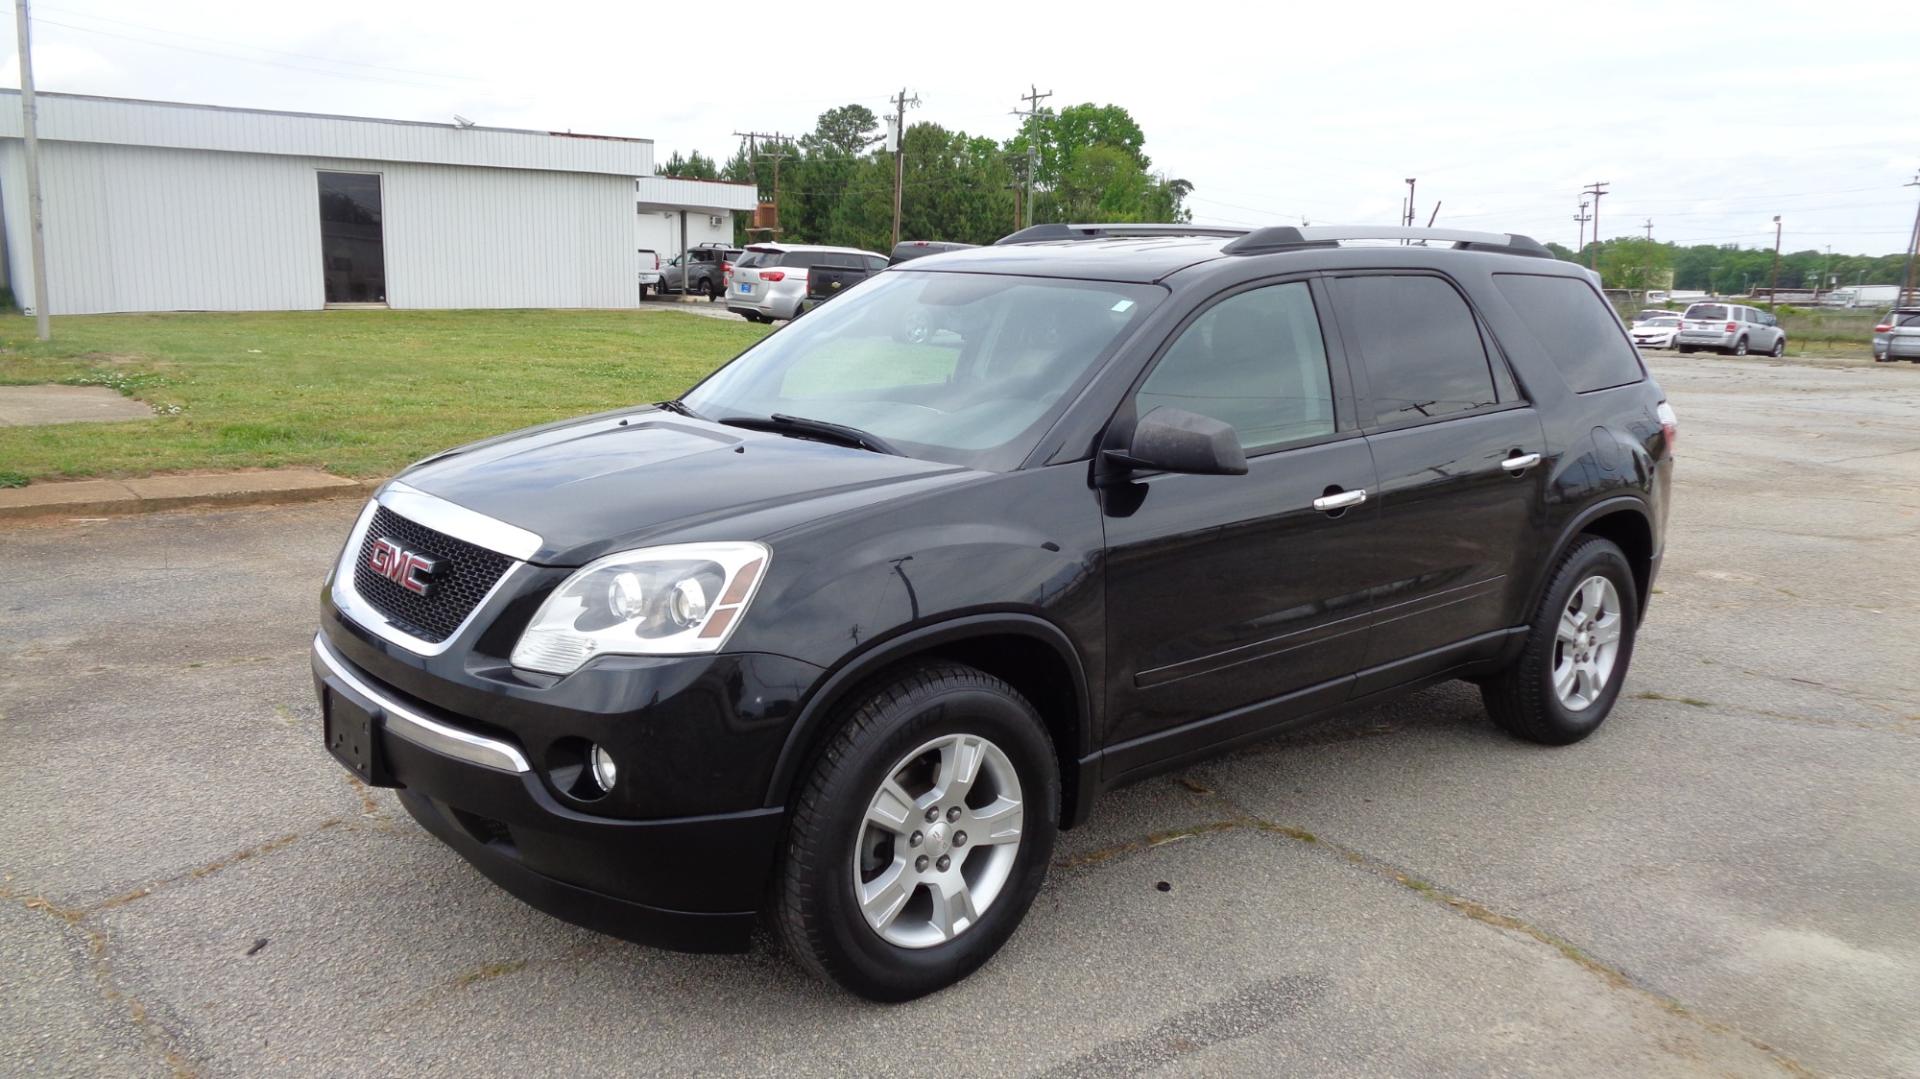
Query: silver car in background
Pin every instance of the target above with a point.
(769, 280)
(1897, 337)
(1730, 328)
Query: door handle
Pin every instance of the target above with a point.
(1334, 503)
(1520, 463)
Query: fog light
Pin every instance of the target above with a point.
(604, 771)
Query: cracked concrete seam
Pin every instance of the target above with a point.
(80, 919)
(1242, 820)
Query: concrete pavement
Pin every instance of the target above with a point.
(1724, 880)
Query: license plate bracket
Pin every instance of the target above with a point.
(352, 735)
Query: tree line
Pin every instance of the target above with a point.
(1632, 262)
(836, 182)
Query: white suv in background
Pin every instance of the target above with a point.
(769, 280)
(1730, 328)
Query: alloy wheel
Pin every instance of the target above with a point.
(1587, 643)
(939, 841)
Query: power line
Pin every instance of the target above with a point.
(258, 48)
(236, 56)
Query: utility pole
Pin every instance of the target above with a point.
(1773, 300)
(1649, 227)
(1033, 97)
(779, 153)
(1906, 278)
(1582, 217)
(1596, 189)
(900, 105)
(1409, 219)
(30, 126)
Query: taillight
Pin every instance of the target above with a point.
(773, 275)
(1732, 326)
(1669, 424)
(726, 267)
(656, 260)
(1884, 327)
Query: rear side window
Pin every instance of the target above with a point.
(875, 263)
(1576, 329)
(1421, 345)
(1710, 312)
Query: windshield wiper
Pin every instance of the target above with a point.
(781, 423)
(680, 407)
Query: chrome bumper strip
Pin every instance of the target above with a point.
(404, 722)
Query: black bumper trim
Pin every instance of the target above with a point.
(677, 930)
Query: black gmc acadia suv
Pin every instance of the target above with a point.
(845, 633)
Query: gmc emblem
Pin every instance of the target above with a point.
(408, 569)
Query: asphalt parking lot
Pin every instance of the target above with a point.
(1724, 880)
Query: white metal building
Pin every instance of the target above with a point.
(158, 206)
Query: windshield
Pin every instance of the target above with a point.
(1712, 312)
(963, 368)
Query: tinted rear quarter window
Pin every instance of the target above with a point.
(1420, 343)
(1575, 328)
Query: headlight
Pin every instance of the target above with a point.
(656, 601)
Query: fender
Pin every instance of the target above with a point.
(1578, 523)
(817, 709)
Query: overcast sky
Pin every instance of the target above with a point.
(1708, 120)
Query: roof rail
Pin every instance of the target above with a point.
(1035, 234)
(1281, 237)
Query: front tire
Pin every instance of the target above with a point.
(1779, 348)
(921, 835)
(1577, 650)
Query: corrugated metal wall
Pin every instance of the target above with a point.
(124, 122)
(133, 228)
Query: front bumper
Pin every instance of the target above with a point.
(690, 883)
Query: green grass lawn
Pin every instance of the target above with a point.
(357, 393)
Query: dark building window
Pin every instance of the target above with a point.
(351, 251)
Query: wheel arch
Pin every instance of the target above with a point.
(1626, 521)
(1030, 653)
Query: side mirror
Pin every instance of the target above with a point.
(1171, 439)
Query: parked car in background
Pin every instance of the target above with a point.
(769, 280)
(835, 273)
(1898, 336)
(908, 250)
(1730, 328)
(1657, 332)
(649, 271)
(1651, 313)
(701, 269)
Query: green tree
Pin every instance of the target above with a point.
(696, 167)
(848, 131)
(1636, 264)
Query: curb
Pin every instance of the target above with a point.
(100, 498)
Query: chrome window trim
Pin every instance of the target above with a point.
(459, 522)
(347, 598)
(404, 722)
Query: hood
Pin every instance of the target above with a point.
(605, 483)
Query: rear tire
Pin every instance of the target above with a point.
(1684, 350)
(1740, 347)
(713, 289)
(911, 734)
(1576, 653)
